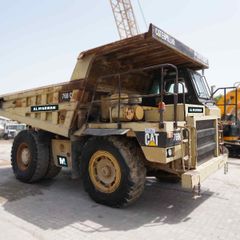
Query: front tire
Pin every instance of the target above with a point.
(29, 157)
(5, 137)
(113, 170)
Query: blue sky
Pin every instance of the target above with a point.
(40, 40)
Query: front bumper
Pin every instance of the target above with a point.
(193, 178)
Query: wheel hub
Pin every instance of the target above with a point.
(104, 171)
(23, 156)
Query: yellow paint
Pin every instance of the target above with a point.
(104, 171)
(230, 99)
(231, 138)
(152, 144)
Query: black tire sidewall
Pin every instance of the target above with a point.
(27, 138)
(112, 199)
(5, 137)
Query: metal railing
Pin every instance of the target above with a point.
(160, 95)
(225, 103)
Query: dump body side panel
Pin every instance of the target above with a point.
(51, 108)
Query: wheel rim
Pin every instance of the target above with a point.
(23, 157)
(104, 171)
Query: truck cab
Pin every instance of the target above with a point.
(12, 129)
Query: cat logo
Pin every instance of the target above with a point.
(151, 137)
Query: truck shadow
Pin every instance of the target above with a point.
(234, 161)
(63, 203)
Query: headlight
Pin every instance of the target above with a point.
(170, 152)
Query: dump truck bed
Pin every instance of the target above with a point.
(50, 108)
(55, 108)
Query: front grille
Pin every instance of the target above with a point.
(206, 139)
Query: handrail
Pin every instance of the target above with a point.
(118, 75)
(225, 104)
(184, 100)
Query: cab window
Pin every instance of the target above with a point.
(181, 87)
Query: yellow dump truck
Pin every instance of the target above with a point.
(132, 108)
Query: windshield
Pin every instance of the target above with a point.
(200, 85)
(17, 127)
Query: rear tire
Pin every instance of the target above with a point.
(113, 170)
(52, 171)
(29, 157)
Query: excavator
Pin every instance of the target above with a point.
(228, 100)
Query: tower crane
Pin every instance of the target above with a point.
(124, 18)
